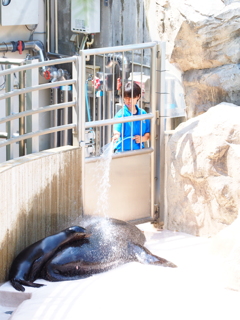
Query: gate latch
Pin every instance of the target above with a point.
(156, 211)
(157, 117)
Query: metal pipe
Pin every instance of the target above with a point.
(22, 119)
(35, 88)
(81, 120)
(38, 133)
(65, 117)
(40, 110)
(107, 122)
(56, 25)
(153, 130)
(54, 116)
(47, 24)
(131, 47)
(35, 65)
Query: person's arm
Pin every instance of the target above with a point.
(145, 138)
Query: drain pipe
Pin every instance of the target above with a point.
(120, 60)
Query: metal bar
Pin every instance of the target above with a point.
(47, 25)
(104, 101)
(37, 65)
(37, 133)
(81, 120)
(21, 119)
(56, 24)
(38, 87)
(119, 48)
(75, 97)
(9, 149)
(54, 115)
(153, 128)
(123, 154)
(118, 120)
(65, 116)
(161, 101)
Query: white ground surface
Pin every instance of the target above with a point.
(192, 291)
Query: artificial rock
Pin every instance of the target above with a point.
(203, 175)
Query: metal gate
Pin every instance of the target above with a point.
(134, 176)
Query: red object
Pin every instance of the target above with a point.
(119, 83)
(47, 75)
(96, 82)
(20, 46)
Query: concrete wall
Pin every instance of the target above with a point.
(122, 22)
(40, 195)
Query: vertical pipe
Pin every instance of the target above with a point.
(21, 109)
(153, 130)
(47, 25)
(56, 24)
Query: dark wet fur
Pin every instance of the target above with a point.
(100, 253)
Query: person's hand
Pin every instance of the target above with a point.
(115, 136)
(138, 139)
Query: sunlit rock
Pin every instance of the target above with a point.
(203, 178)
(208, 87)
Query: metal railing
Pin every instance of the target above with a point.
(23, 136)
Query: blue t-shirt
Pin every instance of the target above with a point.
(130, 129)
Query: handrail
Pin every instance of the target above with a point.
(40, 110)
(38, 87)
(37, 65)
(125, 48)
(38, 133)
(101, 123)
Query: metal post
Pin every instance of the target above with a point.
(21, 109)
(9, 148)
(81, 119)
(160, 151)
(32, 103)
(153, 129)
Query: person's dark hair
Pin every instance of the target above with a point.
(132, 90)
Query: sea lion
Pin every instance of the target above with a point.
(112, 243)
(27, 265)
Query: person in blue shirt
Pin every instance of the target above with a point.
(131, 134)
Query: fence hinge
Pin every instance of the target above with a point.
(157, 117)
(156, 211)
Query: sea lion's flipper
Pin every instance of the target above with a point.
(18, 284)
(52, 272)
(143, 255)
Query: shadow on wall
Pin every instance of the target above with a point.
(42, 197)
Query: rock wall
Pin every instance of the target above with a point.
(203, 42)
(203, 179)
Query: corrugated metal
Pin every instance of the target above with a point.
(40, 195)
